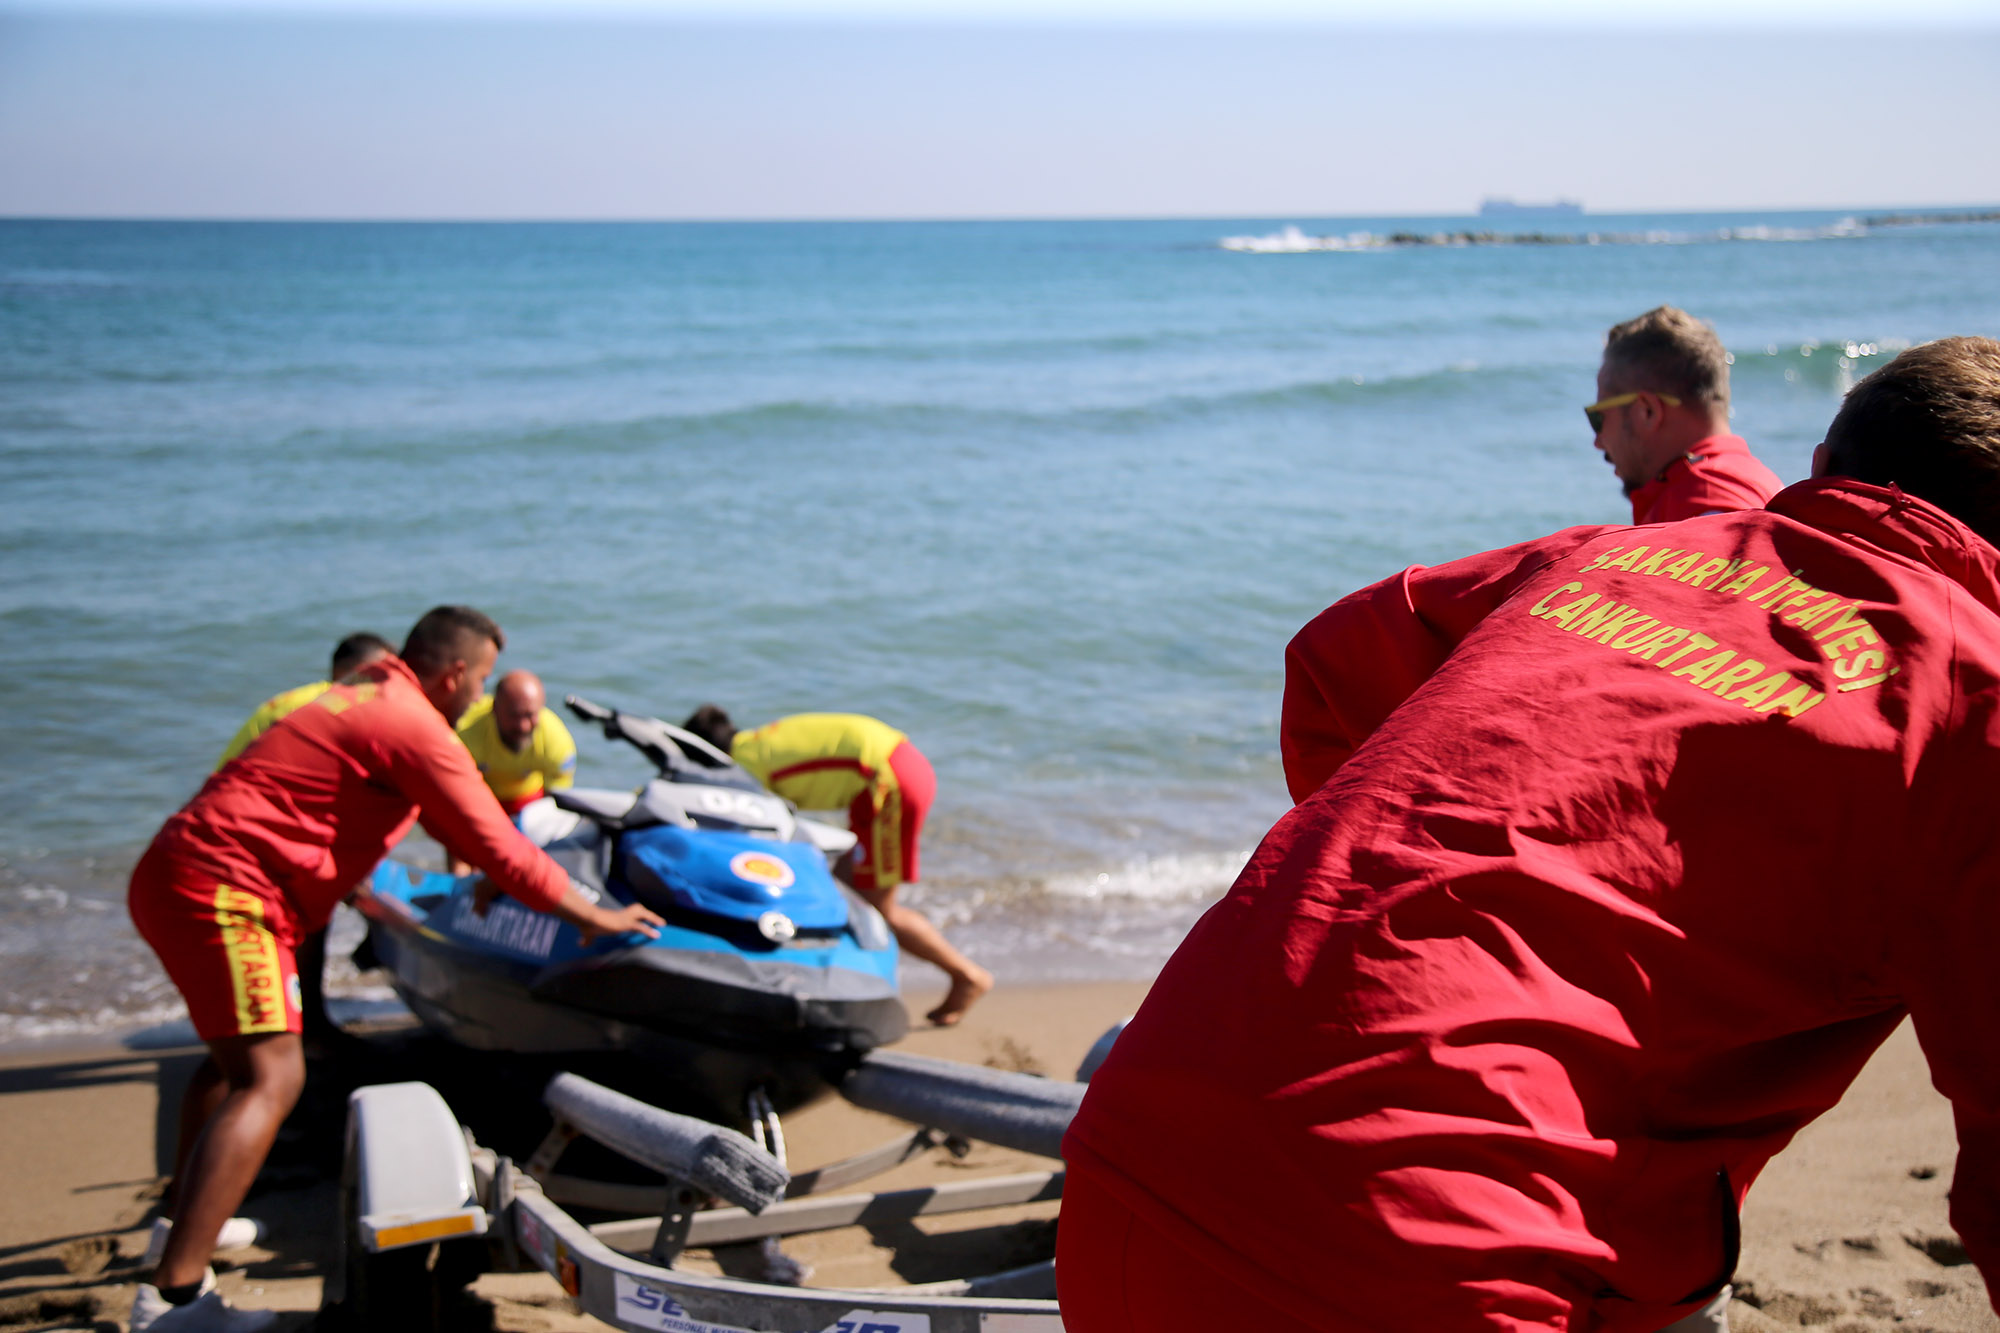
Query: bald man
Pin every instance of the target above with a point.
(523, 750)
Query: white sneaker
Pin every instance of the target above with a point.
(208, 1313)
(148, 1305)
(238, 1233)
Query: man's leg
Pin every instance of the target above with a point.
(261, 1077)
(920, 938)
(886, 854)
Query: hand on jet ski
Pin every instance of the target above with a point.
(591, 921)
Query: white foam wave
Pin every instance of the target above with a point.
(1174, 878)
(167, 1024)
(1294, 240)
(34, 1029)
(1291, 240)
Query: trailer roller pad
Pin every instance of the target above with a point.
(1018, 1111)
(709, 1157)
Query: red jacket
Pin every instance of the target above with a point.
(304, 814)
(1718, 474)
(1617, 853)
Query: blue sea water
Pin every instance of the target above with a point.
(1051, 497)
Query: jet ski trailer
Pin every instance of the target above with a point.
(425, 1208)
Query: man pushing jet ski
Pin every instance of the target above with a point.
(835, 761)
(261, 856)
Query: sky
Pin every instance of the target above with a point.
(1282, 109)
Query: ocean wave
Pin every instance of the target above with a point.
(1294, 240)
(822, 419)
(1835, 363)
(50, 281)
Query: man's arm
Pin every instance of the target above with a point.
(460, 811)
(1356, 662)
(558, 752)
(429, 765)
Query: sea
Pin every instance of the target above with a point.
(1050, 497)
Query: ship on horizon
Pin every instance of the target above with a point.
(1508, 208)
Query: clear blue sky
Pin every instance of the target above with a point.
(923, 108)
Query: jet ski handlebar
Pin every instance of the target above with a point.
(669, 747)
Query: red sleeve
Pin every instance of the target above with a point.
(428, 765)
(1939, 926)
(1356, 662)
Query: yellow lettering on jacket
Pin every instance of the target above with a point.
(1616, 624)
(1751, 696)
(1666, 638)
(1744, 580)
(1705, 571)
(1541, 608)
(1725, 681)
(1596, 616)
(1696, 643)
(1679, 569)
(1635, 633)
(1700, 671)
(1652, 563)
(1807, 617)
(1625, 561)
(1566, 615)
(1848, 642)
(1849, 668)
(1849, 618)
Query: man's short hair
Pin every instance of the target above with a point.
(1929, 422)
(446, 634)
(1669, 351)
(712, 725)
(354, 650)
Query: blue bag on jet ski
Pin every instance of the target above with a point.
(734, 875)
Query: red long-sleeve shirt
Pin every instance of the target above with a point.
(1718, 474)
(1617, 854)
(304, 814)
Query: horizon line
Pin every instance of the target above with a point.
(1943, 210)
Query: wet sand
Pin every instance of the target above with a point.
(1846, 1231)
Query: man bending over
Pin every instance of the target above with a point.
(259, 857)
(844, 761)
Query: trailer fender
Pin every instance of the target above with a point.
(410, 1169)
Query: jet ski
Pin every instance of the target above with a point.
(769, 977)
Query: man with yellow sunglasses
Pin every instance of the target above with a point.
(1661, 420)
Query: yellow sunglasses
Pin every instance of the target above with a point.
(1594, 414)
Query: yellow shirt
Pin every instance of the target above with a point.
(547, 764)
(820, 761)
(267, 715)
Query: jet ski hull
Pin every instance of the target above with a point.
(709, 1015)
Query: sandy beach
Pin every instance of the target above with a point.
(1846, 1231)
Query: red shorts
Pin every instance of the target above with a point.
(885, 851)
(1116, 1274)
(227, 952)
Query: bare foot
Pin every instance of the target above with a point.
(964, 991)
